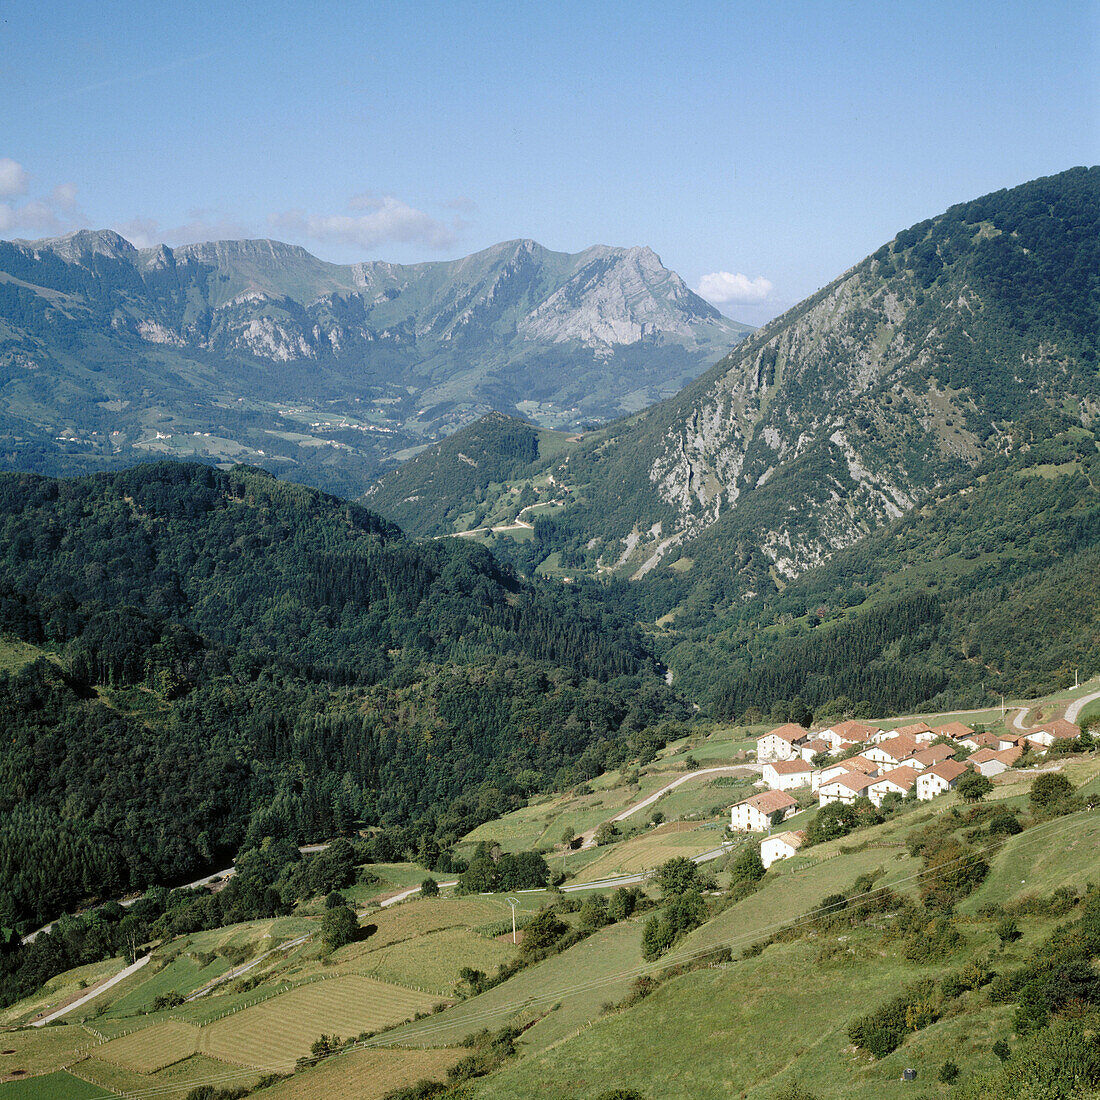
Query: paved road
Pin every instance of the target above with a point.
(306, 849)
(238, 971)
(92, 993)
(589, 837)
(1018, 721)
(1078, 705)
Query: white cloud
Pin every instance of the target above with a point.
(387, 220)
(13, 178)
(63, 196)
(202, 225)
(725, 287)
(56, 213)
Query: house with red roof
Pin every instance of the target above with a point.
(755, 813)
(939, 778)
(781, 743)
(895, 781)
(785, 775)
(845, 788)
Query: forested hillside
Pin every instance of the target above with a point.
(906, 372)
(235, 656)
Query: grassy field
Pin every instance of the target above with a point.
(72, 983)
(432, 961)
(1062, 852)
(364, 1074)
(172, 1083)
(15, 654)
(567, 990)
(651, 848)
(747, 1029)
(152, 1048)
(40, 1049)
(277, 1031)
(51, 1086)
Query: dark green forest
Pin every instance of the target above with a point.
(235, 658)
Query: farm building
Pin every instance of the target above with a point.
(927, 757)
(781, 743)
(754, 814)
(785, 775)
(989, 762)
(1058, 730)
(939, 778)
(895, 781)
(780, 846)
(845, 788)
(893, 750)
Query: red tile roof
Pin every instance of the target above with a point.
(853, 731)
(791, 732)
(955, 730)
(949, 770)
(788, 767)
(901, 777)
(933, 754)
(767, 802)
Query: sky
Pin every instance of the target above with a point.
(760, 149)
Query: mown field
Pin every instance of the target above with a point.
(365, 1074)
(271, 1035)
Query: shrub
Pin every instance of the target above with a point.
(429, 888)
(1050, 792)
(949, 1073)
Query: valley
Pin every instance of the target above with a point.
(407, 958)
(726, 748)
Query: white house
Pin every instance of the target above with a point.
(849, 732)
(843, 767)
(926, 758)
(780, 846)
(956, 731)
(844, 788)
(939, 778)
(781, 743)
(893, 750)
(785, 775)
(754, 814)
(989, 763)
(809, 749)
(895, 781)
(1058, 730)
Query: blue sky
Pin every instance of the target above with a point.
(760, 149)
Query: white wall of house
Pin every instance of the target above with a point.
(774, 848)
(775, 748)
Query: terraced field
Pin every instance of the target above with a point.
(365, 1074)
(275, 1032)
(563, 992)
(152, 1048)
(172, 1083)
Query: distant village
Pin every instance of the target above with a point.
(851, 760)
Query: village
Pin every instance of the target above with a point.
(849, 761)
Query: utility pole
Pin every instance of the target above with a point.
(1002, 708)
(513, 902)
(1076, 682)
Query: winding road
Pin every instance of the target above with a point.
(589, 837)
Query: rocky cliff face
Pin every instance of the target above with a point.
(845, 412)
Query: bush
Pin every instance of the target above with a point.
(949, 1073)
(429, 888)
(1004, 822)
(339, 926)
(1050, 792)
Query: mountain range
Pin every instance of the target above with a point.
(258, 351)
